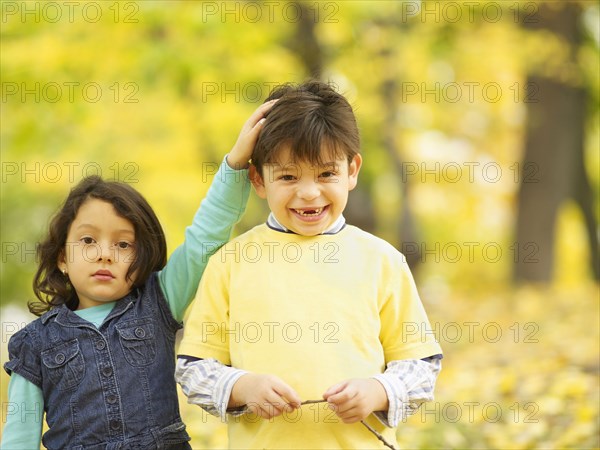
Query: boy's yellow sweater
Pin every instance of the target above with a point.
(314, 311)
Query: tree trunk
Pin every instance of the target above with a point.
(305, 43)
(360, 210)
(406, 230)
(553, 166)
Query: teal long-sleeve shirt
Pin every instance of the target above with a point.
(223, 206)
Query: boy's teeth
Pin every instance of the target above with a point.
(309, 212)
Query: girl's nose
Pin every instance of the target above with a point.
(105, 253)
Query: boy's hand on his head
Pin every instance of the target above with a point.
(242, 150)
(265, 395)
(353, 400)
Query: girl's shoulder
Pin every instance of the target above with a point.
(25, 349)
(31, 333)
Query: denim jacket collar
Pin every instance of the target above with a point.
(66, 317)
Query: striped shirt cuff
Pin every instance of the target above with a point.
(408, 384)
(207, 383)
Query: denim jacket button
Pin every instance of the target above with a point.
(112, 399)
(60, 358)
(107, 371)
(100, 345)
(115, 424)
(139, 332)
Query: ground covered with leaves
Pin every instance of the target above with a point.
(520, 371)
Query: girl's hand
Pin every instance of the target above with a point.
(242, 150)
(353, 400)
(264, 395)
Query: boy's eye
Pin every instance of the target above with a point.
(327, 174)
(287, 177)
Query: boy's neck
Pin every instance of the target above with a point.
(337, 226)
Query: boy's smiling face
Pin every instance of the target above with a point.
(305, 198)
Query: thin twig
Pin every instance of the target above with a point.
(244, 409)
(379, 436)
(310, 402)
(370, 428)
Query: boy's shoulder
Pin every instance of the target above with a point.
(257, 233)
(370, 241)
(376, 250)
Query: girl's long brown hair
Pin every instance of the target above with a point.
(51, 287)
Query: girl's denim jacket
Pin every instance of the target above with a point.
(110, 387)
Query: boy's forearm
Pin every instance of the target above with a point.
(236, 398)
(207, 383)
(381, 401)
(408, 384)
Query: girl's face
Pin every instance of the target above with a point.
(100, 248)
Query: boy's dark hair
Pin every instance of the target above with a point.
(307, 117)
(51, 287)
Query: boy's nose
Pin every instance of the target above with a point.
(308, 191)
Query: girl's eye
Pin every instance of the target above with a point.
(123, 245)
(286, 177)
(87, 240)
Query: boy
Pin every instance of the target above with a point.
(306, 307)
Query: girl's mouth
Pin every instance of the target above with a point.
(103, 275)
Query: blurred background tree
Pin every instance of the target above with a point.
(479, 126)
(555, 143)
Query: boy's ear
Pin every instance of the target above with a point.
(353, 169)
(257, 181)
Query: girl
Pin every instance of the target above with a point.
(100, 360)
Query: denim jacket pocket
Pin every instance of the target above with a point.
(137, 341)
(65, 364)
